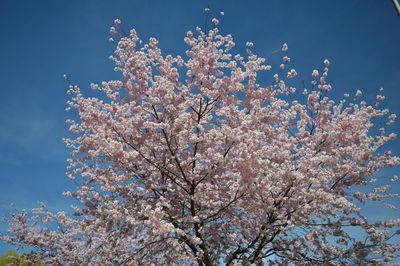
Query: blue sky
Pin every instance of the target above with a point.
(42, 40)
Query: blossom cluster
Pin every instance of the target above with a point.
(192, 161)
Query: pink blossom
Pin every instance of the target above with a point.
(292, 73)
(315, 74)
(113, 31)
(380, 97)
(215, 21)
(117, 22)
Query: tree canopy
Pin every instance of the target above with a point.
(189, 160)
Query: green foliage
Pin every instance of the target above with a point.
(11, 257)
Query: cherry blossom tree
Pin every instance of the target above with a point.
(189, 160)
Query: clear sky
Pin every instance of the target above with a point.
(42, 40)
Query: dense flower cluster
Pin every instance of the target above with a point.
(215, 168)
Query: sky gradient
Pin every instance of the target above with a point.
(42, 40)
